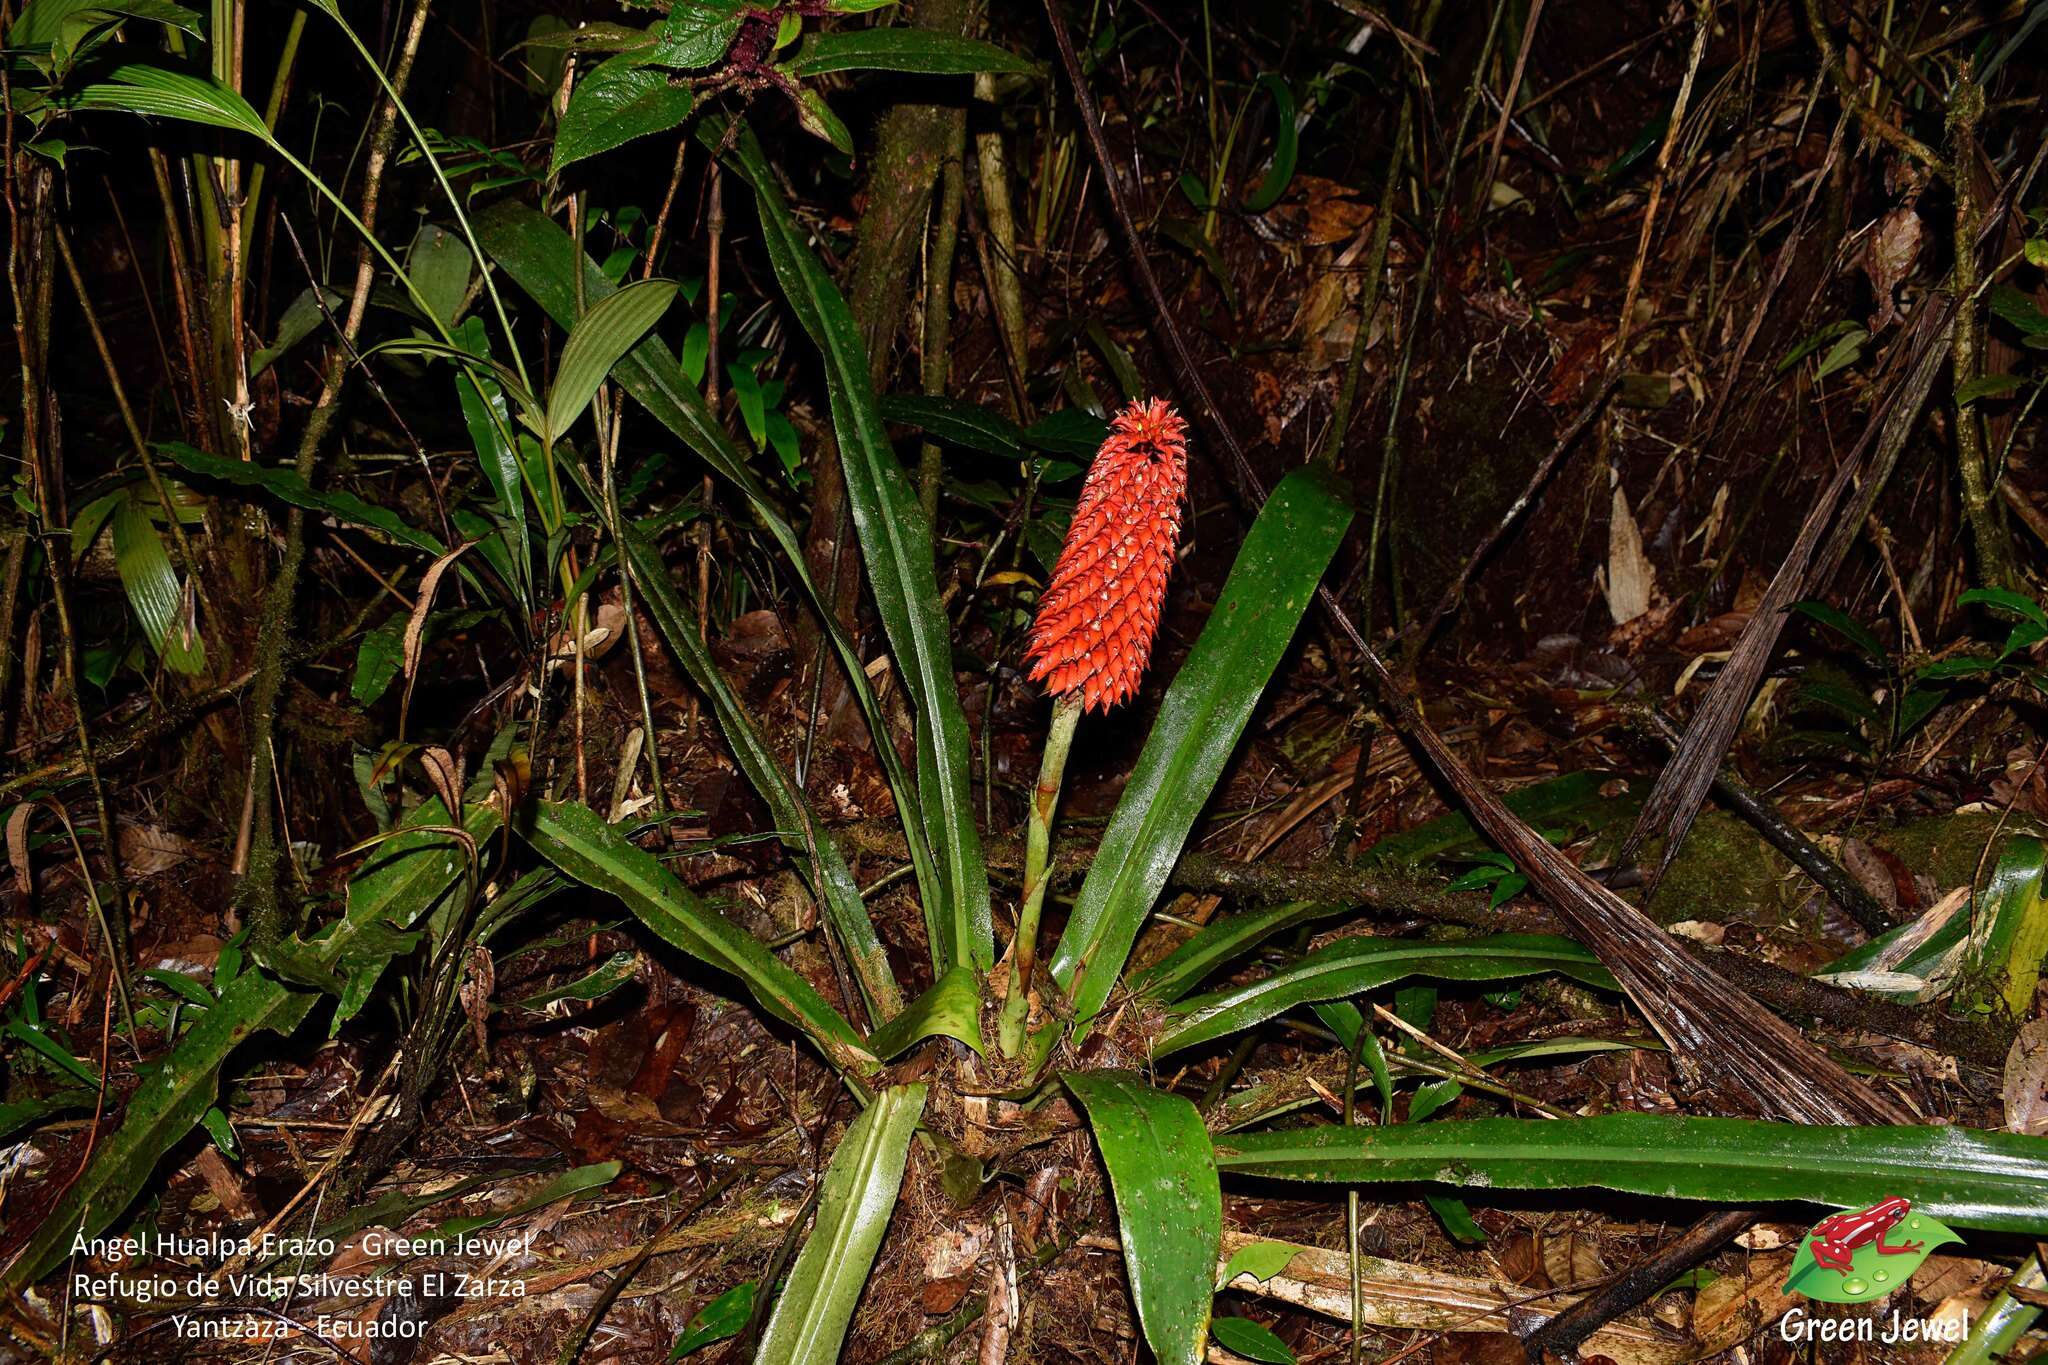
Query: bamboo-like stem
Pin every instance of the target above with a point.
(935, 364)
(1980, 501)
(256, 853)
(1045, 800)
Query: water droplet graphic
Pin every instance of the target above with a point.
(1881, 1276)
(1854, 1286)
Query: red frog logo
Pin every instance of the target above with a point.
(1835, 1239)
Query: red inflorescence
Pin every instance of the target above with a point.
(1096, 621)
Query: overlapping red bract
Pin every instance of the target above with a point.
(1095, 624)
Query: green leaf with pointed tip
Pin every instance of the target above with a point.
(919, 51)
(809, 1323)
(725, 1316)
(957, 421)
(488, 417)
(896, 543)
(1251, 1340)
(2005, 600)
(1169, 1206)
(1970, 1178)
(1205, 710)
(2015, 931)
(1260, 1260)
(586, 849)
(612, 327)
(1353, 965)
(624, 98)
(950, 1009)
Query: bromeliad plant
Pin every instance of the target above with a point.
(426, 885)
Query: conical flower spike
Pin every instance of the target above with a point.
(1093, 635)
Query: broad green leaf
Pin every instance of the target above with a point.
(1074, 432)
(2013, 927)
(301, 316)
(624, 98)
(801, 830)
(1280, 171)
(440, 264)
(1872, 1273)
(1205, 710)
(951, 1009)
(1169, 1206)
(957, 421)
(536, 253)
(1260, 1260)
(612, 327)
(717, 1320)
(154, 91)
(1847, 350)
(696, 33)
(2005, 600)
(285, 485)
(586, 849)
(809, 1323)
(896, 543)
(1218, 942)
(2019, 309)
(1354, 965)
(1971, 1178)
(917, 50)
(42, 22)
(1844, 625)
(154, 590)
(1251, 1340)
(1988, 386)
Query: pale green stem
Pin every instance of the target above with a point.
(1045, 800)
(2005, 1321)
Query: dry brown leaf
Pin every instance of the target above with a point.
(2026, 1080)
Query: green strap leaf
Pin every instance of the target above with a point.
(1169, 1205)
(1205, 711)
(586, 849)
(1286, 148)
(809, 1323)
(1218, 942)
(916, 50)
(2015, 927)
(950, 1009)
(286, 486)
(488, 417)
(612, 327)
(896, 542)
(1977, 1179)
(802, 831)
(1353, 965)
(537, 254)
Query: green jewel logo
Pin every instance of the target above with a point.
(1864, 1254)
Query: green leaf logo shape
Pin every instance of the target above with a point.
(1872, 1274)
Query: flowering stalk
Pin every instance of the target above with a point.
(1094, 630)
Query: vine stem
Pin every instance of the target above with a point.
(1045, 801)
